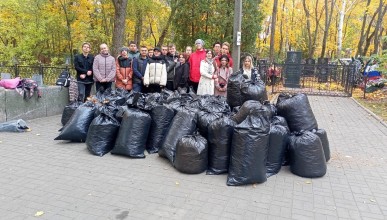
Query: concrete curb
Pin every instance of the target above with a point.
(370, 112)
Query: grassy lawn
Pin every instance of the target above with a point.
(375, 102)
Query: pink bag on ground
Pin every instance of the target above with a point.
(10, 83)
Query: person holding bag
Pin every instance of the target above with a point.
(223, 73)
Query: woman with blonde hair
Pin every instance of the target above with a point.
(248, 70)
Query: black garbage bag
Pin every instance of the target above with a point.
(133, 97)
(307, 157)
(220, 133)
(191, 154)
(102, 133)
(271, 109)
(234, 95)
(117, 96)
(77, 127)
(162, 117)
(214, 104)
(322, 134)
(278, 141)
(249, 147)
(14, 126)
(184, 123)
(133, 133)
(195, 103)
(297, 112)
(148, 101)
(253, 91)
(279, 120)
(69, 110)
(204, 120)
(120, 112)
(251, 107)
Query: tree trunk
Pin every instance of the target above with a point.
(367, 37)
(340, 29)
(138, 28)
(68, 25)
(362, 35)
(272, 32)
(174, 5)
(281, 30)
(328, 18)
(307, 14)
(368, 42)
(119, 25)
(381, 13)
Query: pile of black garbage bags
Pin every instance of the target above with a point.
(242, 135)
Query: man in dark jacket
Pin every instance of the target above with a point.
(133, 52)
(83, 64)
(171, 61)
(139, 66)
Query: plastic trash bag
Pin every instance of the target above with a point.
(279, 120)
(68, 111)
(133, 133)
(162, 117)
(220, 133)
(307, 157)
(249, 148)
(191, 154)
(184, 123)
(253, 91)
(14, 126)
(77, 127)
(102, 134)
(278, 141)
(322, 134)
(297, 112)
(251, 107)
(234, 84)
(204, 120)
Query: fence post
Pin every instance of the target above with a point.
(41, 71)
(16, 68)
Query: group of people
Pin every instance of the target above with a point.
(206, 71)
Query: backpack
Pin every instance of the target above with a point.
(63, 79)
(27, 87)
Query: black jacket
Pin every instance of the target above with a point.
(83, 64)
(181, 76)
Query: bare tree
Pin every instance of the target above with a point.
(362, 35)
(119, 25)
(307, 14)
(381, 12)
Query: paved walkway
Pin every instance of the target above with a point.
(66, 182)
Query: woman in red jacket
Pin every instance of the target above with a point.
(124, 71)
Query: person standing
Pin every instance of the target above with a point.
(171, 61)
(217, 48)
(248, 70)
(104, 69)
(150, 53)
(194, 64)
(225, 51)
(83, 64)
(222, 73)
(124, 71)
(182, 73)
(188, 51)
(133, 52)
(139, 66)
(155, 76)
(207, 70)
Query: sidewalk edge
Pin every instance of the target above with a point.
(370, 112)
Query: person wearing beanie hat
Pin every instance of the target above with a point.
(194, 64)
(124, 71)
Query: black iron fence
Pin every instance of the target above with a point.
(314, 79)
(49, 74)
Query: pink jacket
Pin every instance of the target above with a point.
(104, 67)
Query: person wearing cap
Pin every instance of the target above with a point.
(155, 76)
(83, 64)
(194, 64)
(124, 71)
(104, 69)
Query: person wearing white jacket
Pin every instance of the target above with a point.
(207, 69)
(155, 76)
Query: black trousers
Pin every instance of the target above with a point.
(84, 91)
(102, 86)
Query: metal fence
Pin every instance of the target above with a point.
(314, 79)
(49, 74)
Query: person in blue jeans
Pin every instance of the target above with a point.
(139, 66)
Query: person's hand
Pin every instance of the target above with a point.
(103, 80)
(142, 78)
(125, 81)
(82, 76)
(214, 76)
(89, 73)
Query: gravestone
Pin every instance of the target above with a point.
(293, 69)
(5, 76)
(309, 67)
(38, 78)
(323, 70)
